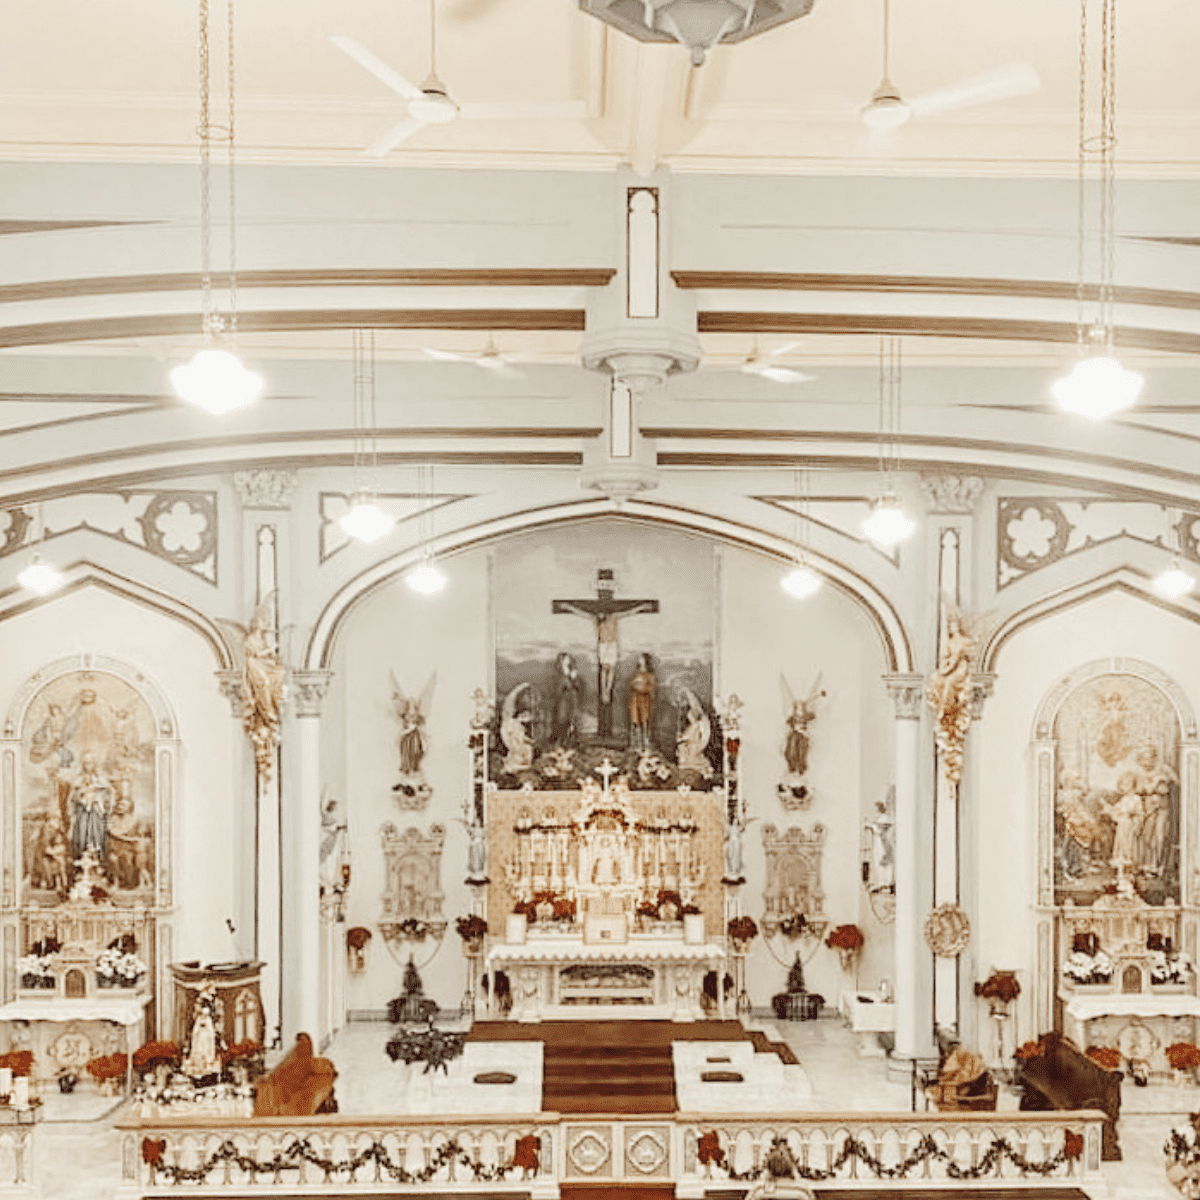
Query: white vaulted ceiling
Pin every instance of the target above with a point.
(790, 226)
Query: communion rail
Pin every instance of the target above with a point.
(344, 1155)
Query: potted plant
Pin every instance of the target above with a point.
(472, 930)
(1000, 989)
(742, 931)
(848, 941)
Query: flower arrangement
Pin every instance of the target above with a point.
(547, 906)
(413, 930)
(1085, 968)
(118, 968)
(1183, 1056)
(793, 925)
(1027, 1050)
(668, 905)
(845, 937)
(1002, 986)
(36, 968)
(708, 1149)
(1167, 966)
(471, 928)
(108, 1067)
(248, 1053)
(155, 1054)
(1108, 1057)
(742, 929)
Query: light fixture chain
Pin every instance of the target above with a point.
(1081, 197)
(374, 462)
(207, 309)
(233, 294)
(1108, 148)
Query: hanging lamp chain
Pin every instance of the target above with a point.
(231, 82)
(208, 313)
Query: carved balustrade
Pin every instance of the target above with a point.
(311, 1155)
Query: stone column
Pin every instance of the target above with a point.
(302, 864)
(912, 968)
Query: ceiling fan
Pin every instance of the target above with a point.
(765, 366)
(432, 103)
(489, 358)
(887, 108)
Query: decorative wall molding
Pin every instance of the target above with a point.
(951, 494)
(266, 488)
(177, 525)
(412, 895)
(1033, 532)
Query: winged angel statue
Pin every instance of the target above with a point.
(949, 688)
(264, 680)
(515, 732)
(412, 791)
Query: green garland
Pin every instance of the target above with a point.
(300, 1152)
(926, 1150)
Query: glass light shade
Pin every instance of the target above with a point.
(426, 579)
(40, 577)
(801, 582)
(1174, 582)
(887, 525)
(366, 521)
(886, 109)
(1097, 387)
(216, 380)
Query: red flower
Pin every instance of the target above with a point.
(708, 1149)
(1029, 1050)
(153, 1053)
(527, 1153)
(1107, 1057)
(1183, 1056)
(845, 937)
(152, 1150)
(1073, 1144)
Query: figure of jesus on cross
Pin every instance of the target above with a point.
(607, 613)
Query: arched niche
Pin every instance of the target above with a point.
(89, 760)
(1117, 770)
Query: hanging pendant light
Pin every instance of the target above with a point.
(365, 521)
(888, 525)
(1176, 580)
(215, 379)
(39, 576)
(801, 581)
(425, 577)
(1098, 385)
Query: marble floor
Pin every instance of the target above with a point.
(76, 1155)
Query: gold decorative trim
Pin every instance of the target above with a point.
(924, 285)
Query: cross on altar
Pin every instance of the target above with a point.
(607, 612)
(607, 771)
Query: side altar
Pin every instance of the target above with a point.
(609, 898)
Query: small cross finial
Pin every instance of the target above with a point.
(607, 771)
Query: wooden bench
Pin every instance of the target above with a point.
(300, 1085)
(1063, 1078)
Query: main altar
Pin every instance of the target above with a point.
(609, 899)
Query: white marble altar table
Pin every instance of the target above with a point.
(62, 1032)
(1141, 1024)
(653, 976)
(868, 1013)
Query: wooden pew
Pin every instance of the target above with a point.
(300, 1085)
(1064, 1078)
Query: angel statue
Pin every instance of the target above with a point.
(692, 742)
(949, 688)
(514, 733)
(799, 716)
(412, 791)
(263, 681)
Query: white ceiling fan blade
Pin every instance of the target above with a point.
(564, 110)
(784, 375)
(786, 348)
(400, 132)
(376, 66)
(499, 366)
(446, 355)
(1015, 79)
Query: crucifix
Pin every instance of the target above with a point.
(607, 613)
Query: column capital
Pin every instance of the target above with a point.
(308, 690)
(907, 690)
(265, 487)
(232, 688)
(954, 494)
(983, 683)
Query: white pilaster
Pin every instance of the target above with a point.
(912, 967)
(301, 976)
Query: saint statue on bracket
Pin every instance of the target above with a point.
(412, 792)
(793, 790)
